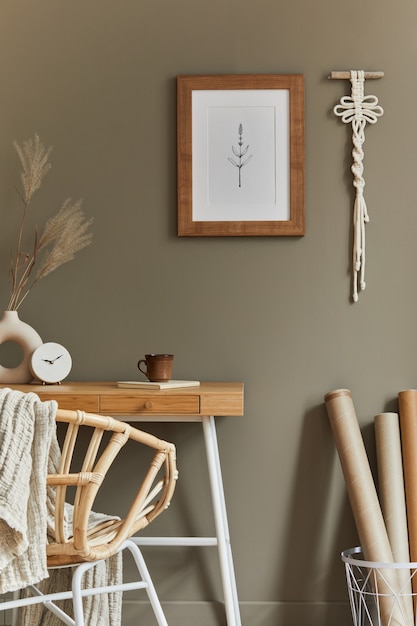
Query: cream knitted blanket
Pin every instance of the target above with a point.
(26, 430)
(28, 451)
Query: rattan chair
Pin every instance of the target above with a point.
(84, 546)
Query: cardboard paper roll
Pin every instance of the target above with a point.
(407, 401)
(363, 498)
(358, 477)
(391, 483)
(392, 496)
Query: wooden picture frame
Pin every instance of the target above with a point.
(240, 150)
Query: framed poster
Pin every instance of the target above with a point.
(240, 150)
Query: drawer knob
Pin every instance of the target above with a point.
(148, 404)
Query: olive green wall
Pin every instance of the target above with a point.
(96, 79)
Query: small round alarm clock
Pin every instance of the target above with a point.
(50, 362)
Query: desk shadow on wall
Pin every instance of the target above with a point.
(319, 526)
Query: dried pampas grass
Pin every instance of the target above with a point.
(64, 234)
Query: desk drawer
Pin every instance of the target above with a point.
(148, 404)
(80, 402)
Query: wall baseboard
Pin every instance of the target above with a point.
(252, 613)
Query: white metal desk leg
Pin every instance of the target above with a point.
(220, 519)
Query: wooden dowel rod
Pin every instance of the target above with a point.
(346, 74)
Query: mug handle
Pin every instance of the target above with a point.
(140, 369)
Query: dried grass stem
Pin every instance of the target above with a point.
(64, 234)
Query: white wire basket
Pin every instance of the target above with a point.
(380, 594)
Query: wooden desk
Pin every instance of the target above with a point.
(191, 404)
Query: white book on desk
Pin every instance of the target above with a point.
(146, 384)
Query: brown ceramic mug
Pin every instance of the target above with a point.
(158, 367)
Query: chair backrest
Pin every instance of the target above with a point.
(106, 438)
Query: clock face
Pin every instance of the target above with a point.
(51, 362)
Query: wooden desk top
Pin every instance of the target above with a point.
(109, 399)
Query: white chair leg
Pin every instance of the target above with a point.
(145, 578)
(77, 600)
(150, 588)
(143, 581)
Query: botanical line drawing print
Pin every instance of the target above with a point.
(239, 154)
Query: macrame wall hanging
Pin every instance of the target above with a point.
(358, 109)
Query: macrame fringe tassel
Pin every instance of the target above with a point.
(360, 218)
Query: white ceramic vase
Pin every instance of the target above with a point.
(13, 329)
